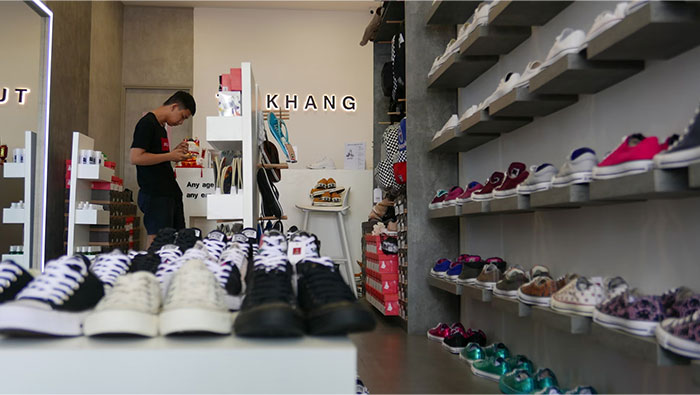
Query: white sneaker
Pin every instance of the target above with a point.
(540, 179)
(323, 163)
(634, 5)
(108, 267)
(531, 70)
(605, 20)
(195, 302)
(451, 49)
(577, 170)
(507, 83)
(451, 123)
(231, 272)
(480, 18)
(470, 111)
(568, 42)
(170, 262)
(131, 307)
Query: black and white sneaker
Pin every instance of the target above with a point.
(163, 237)
(186, 238)
(232, 269)
(56, 302)
(328, 303)
(144, 261)
(215, 242)
(291, 231)
(270, 307)
(13, 278)
(302, 245)
(108, 267)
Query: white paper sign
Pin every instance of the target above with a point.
(354, 156)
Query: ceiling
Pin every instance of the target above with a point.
(323, 5)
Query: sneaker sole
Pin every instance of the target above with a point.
(465, 359)
(505, 294)
(435, 338)
(534, 300)
(272, 320)
(529, 189)
(638, 328)
(486, 375)
(482, 198)
(573, 178)
(194, 320)
(484, 285)
(677, 345)
(340, 319)
(586, 311)
(113, 322)
(25, 320)
(683, 158)
(623, 169)
(561, 54)
(453, 350)
(505, 194)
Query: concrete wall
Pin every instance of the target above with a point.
(302, 52)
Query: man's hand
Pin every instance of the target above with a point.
(183, 145)
(179, 153)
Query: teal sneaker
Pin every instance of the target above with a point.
(521, 362)
(518, 381)
(475, 352)
(545, 378)
(491, 369)
(550, 391)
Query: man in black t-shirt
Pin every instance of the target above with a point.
(160, 198)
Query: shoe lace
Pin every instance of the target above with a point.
(169, 253)
(273, 243)
(215, 247)
(59, 281)
(108, 267)
(194, 283)
(169, 267)
(9, 272)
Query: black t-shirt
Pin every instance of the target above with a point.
(157, 180)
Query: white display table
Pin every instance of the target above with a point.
(199, 364)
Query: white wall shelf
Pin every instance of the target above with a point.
(225, 207)
(92, 217)
(94, 172)
(200, 364)
(13, 170)
(13, 215)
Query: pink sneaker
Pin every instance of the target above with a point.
(452, 196)
(438, 200)
(486, 193)
(635, 155)
(517, 173)
(439, 332)
(467, 195)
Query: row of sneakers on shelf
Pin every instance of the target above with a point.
(568, 42)
(515, 373)
(183, 285)
(636, 154)
(673, 317)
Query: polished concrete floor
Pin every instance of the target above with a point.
(390, 361)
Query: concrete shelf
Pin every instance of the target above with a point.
(571, 323)
(476, 293)
(530, 13)
(521, 103)
(445, 212)
(494, 40)
(445, 285)
(573, 74)
(653, 184)
(694, 175)
(476, 208)
(483, 123)
(507, 305)
(642, 347)
(575, 195)
(450, 12)
(513, 204)
(455, 141)
(658, 30)
(459, 71)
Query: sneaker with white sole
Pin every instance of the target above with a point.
(451, 124)
(507, 83)
(108, 267)
(168, 267)
(685, 151)
(323, 163)
(633, 156)
(578, 168)
(479, 18)
(13, 278)
(540, 179)
(568, 42)
(195, 302)
(130, 308)
(56, 302)
(531, 70)
(215, 242)
(231, 272)
(605, 20)
(579, 297)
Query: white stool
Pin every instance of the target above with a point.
(340, 212)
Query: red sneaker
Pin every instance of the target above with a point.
(517, 173)
(486, 193)
(635, 155)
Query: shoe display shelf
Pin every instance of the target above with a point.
(25, 216)
(81, 178)
(651, 185)
(391, 21)
(445, 212)
(445, 285)
(642, 347)
(238, 134)
(446, 12)
(401, 209)
(531, 13)
(193, 364)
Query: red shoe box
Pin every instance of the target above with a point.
(382, 266)
(384, 284)
(386, 304)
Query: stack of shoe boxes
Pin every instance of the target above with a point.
(382, 282)
(401, 216)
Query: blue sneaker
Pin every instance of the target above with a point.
(454, 271)
(441, 267)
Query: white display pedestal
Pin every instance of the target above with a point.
(211, 365)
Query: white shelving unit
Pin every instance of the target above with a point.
(24, 216)
(81, 178)
(238, 134)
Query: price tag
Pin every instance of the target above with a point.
(296, 251)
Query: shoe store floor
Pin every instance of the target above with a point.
(391, 361)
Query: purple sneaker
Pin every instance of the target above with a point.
(451, 198)
(681, 335)
(455, 270)
(438, 200)
(631, 312)
(680, 302)
(441, 267)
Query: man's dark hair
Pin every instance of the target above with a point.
(183, 99)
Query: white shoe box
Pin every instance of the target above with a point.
(92, 217)
(13, 170)
(226, 207)
(95, 172)
(13, 215)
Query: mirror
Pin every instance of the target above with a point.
(25, 44)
